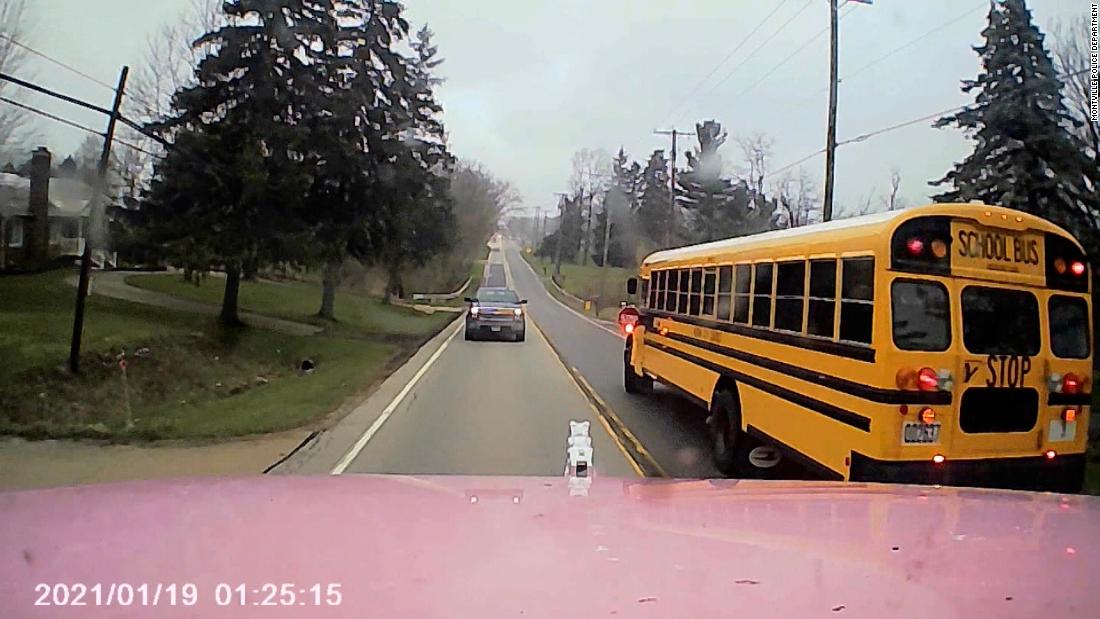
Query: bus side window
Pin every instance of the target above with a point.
(790, 293)
(725, 287)
(762, 295)
(857, 299)
(695, 300)
(822, 298)
(685, 289)
(742, 287)
(709, 275)
(659, 290)
(673, 287)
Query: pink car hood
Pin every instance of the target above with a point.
(532, 547)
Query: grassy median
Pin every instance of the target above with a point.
(186, 377)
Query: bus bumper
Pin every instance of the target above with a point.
(1065, 473)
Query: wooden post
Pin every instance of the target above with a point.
(86, 255)
(830, 136)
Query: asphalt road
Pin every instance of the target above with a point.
(487, 408)
(672, 429)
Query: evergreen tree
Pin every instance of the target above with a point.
(1023, 156)
(233, 180)
(653, 209)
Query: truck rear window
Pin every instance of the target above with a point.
(1069, 327)
(920, 315)
(999, 321)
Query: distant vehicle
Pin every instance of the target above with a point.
(941, 344)
(496, 312)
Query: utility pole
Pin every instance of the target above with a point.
(671, 185)
(830, 136)
(606, 230)
(96, 225)
(560, 240)
(535, 227)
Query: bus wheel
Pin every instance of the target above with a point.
(730, 443)
(633, 383)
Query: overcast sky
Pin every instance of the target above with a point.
(529, 82)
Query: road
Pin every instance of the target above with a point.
(503, 408)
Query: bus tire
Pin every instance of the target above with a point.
(730, 445)
(633, 383)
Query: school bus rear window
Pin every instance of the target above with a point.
(1000, 321)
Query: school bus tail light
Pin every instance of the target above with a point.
(1070, 383)
(1077, 268)
(1069, 415)
(1050, 454)
(928, 380)
(938, 458)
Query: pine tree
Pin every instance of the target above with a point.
(653, 209)
(1023, 157)
(233, 180)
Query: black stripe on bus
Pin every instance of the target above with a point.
(1063, 399)
(824, 408)
(867, 392)
(840, 349)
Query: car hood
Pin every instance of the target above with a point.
(551, 547)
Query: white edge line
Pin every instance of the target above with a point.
(353, 453)
(575, 312)
(595, 411)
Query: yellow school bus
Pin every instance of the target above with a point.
(948, 343)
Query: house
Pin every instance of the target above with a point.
(42, 218)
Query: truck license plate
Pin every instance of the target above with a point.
(915, 433)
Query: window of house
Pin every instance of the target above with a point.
(764, 273)
(709, 281)
(741, 296)
(685, 291)
(857, 299)
(790, 294)
(725, 292)
(15, 232)
(819, 320)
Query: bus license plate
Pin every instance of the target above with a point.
(920, 433)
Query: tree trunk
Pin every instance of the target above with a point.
(229, 313)
(328, 290)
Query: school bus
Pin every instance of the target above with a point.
(948, 343)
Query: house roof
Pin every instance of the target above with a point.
(69, 197)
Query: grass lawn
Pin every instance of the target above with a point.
(355, 314)
(604, 287)
(192, 379)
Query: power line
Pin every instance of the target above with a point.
(893, 51)
(789, 57)
(721, 62)
(758, 48)
(870, 134)
(54, 93)
(59, 119)
(57, 62)
(144, 104)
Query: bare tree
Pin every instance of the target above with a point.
(16, 124)
(757, 150)
(1071, 55)
(895, 183)
(798, 199)
(589, 180)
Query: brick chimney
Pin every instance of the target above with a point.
(38, 246)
